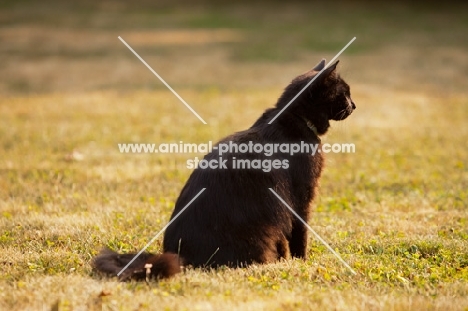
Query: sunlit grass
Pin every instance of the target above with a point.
(395, 209)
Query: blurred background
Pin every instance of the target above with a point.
(72, 46)
(71, 91)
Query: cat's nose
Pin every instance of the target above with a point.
(353, 105)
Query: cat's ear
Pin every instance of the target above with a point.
(330, 70)
(320, 65)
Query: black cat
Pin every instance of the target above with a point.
(237, 221)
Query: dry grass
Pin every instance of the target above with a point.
(396, 209)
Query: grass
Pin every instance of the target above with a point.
(396, 210)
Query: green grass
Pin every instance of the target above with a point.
(396, 210)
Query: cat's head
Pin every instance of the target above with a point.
(327, 98)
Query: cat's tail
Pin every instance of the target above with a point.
(144, 267)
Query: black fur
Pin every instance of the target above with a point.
(237, 221)
(162, 266)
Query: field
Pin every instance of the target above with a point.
(396, 209)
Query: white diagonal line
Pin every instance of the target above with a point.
(315, 233)
(162, 80)
(159, 233)
(312, 80)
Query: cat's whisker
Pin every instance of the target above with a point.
(343, 114)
